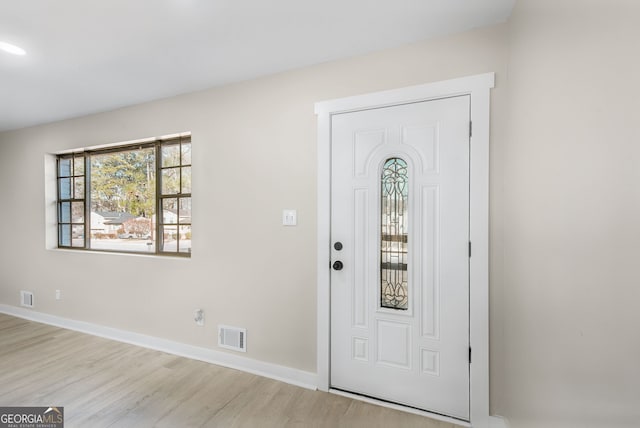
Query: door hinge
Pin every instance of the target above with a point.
(470, 129)
(469, 249)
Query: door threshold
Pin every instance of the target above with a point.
(400, 407)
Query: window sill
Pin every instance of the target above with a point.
(122, 253)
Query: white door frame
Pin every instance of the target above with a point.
(478, 87)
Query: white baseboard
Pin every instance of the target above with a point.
(498, 422)
(273, 371)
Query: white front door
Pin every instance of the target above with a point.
(400, 254)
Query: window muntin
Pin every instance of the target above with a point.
(394, 285)
(123, 199)
(71, 201)
(175, 197)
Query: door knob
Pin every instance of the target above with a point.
(337, 265)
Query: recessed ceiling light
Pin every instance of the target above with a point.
(12, 49)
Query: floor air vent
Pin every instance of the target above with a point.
(26, 298)
(232, 338)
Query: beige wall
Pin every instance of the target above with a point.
(565, 204)
(254, 148)
(571, 307)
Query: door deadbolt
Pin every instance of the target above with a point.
(338, 246)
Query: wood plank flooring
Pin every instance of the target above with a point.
(103, 383)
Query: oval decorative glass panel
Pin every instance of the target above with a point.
(393, 243)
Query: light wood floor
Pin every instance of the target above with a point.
(103, 383)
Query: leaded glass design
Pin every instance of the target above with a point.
(393, 243)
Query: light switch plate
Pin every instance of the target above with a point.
(289, 217)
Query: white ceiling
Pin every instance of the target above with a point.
(90, 56)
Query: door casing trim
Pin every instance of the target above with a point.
(478, 87)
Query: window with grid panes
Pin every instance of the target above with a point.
(134, 198)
